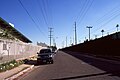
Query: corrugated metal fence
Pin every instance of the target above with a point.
(10, 50)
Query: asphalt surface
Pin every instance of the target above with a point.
(73, 66)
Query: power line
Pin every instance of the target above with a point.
(108, 22)
(77, 16)
(49, 7)
(111, 14)
(48, 12)
(86, 10)
(80, 10)
(40, 5)
(30, 16)
(45, 10)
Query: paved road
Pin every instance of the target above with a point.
(75, 67)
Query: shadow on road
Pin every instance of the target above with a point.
(33, 62)
(108, 67)
(83, 76)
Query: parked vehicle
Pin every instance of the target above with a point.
(45, 56)
(53, 49)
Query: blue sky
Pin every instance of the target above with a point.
(61, 15)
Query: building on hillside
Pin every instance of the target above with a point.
(9, 32)
(13, 44)
(42, 44)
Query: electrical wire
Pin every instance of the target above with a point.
(86, 10)
(112, 18)
(30, 17)
(45, 9)
(42, 11)
(111, 15)
(77, 17)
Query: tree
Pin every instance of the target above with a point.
(102, 32)
(117, 27)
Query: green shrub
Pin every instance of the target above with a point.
(21, 62)
(2, 68)
(10, 65)
(16, 64)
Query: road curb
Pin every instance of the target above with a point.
(19, 74)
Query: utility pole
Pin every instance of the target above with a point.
(50, 36)
(73, 40)
(70, 41)
(54, 44)
(89, 27)
(62, 44)
(95, 36)
(66, 41)
(75, 35)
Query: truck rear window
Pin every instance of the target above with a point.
(45, 51)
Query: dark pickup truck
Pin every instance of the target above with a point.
(45, 56)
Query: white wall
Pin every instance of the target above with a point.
(16, 50)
